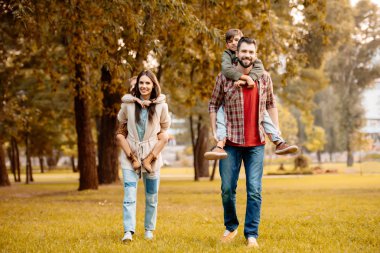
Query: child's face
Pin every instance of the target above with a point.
(232, 44)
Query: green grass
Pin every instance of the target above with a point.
(326, 213)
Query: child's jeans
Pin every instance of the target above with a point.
(269, 128)
(151, 183)
(221, 126)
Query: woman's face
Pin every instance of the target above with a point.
(145, 86)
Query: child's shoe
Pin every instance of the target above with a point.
(283, 149)
(147, 162)
(135, 162)
(216, 153)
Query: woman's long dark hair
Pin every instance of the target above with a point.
(156, 91)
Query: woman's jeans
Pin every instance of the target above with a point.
(229, 169)
(269, 128)
(151, 183)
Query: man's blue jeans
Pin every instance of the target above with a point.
(229, 169)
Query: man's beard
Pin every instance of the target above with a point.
(244, 65)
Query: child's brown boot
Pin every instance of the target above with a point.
(216, 153)
(283, 148)
(135, 162)
(147, 162)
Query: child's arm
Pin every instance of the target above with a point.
(257, 71)
(165, 119)
(122, 131)
(128, 98)
(228, 69)
(160, 99)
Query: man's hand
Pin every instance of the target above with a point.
(239, 83)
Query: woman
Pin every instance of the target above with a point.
(141, 151)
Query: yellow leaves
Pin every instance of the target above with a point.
(315, 138)
(361, 142)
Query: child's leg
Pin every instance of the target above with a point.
(163, 139)
(221, 133)
(221, 127)
(271, 130)
(282, 148)
(123, 143)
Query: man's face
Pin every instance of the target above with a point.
(246, 54)
(232, 43)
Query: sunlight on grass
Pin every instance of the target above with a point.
(327, 213)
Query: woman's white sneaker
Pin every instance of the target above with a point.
(127, 237)
(148, 234)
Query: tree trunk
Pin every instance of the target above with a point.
(41, 160)
(350, 157)
(201, 164)
(28, 167)
(12, 161)
(213, 171)
(17, 159)
(88, 175)
(4, 179)
(75, 169)
(108, 170)
(192, 135)
(319, 157)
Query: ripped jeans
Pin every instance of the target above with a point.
(151, 183)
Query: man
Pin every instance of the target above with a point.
(244, 110)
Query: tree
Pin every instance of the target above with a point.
(352, 70)
(107, 148)
(328, 117)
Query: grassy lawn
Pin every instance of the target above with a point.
(325, 213)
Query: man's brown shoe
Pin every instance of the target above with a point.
(135, 162)
(147, 162)
(215, 153)
(284, 149)
(252, 242)
(228, 236)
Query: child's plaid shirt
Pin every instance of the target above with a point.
(232, 97)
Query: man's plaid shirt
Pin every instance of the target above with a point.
(232, 97)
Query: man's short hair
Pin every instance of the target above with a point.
(230, 34)
(246, 40)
